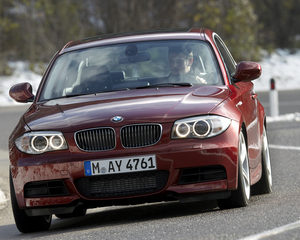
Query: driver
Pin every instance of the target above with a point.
(180, 61)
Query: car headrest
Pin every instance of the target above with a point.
(95, 73)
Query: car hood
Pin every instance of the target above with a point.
(153, 105)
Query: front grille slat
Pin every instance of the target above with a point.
(112, 138)
(121, 185)
(150, 134)
(101, 136)
(142, 135)
(106, 136)
(136, 135)
(97, 139)
(87, 140)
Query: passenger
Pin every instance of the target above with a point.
(180, 61)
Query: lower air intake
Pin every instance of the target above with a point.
(121, 185)
(45, 189)
(202, 174)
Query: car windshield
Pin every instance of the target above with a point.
(128, 66)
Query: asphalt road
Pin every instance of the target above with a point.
(289, 101)
(272, 216)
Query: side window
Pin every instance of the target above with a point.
(227, 58)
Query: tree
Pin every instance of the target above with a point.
(49, 25)
(35, 29)
(234, 20)
(280, 23)
(8, 29)
(135, 15)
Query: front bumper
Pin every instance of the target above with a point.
(179, 156)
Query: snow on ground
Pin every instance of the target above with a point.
(22, 73)
(283, 67)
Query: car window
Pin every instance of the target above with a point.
(130, 66)
(226, 56)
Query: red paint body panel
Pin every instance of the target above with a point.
(171, 104)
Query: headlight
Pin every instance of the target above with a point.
(41, 142)
(200, 127)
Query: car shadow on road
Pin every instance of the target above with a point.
(116, 216)
(120, 216)
(138, 213)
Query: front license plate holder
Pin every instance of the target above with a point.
(120, 165)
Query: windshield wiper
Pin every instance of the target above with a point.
(95, 93)
(183, 84)
(75, 95)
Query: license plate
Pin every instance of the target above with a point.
(120, 165)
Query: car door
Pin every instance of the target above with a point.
(246, 102)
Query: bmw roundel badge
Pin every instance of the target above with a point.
(117, 119)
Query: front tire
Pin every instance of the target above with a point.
(25, 223)
(241, 196)
(264, 185)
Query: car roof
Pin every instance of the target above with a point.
(150, 35)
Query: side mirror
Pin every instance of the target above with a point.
(246, 71)
(21, 92)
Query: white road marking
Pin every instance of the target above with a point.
(284, 147)
(281, 229)
(274, 231)
(2, 199)
(2, 196)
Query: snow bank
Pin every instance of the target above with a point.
(22, 73)
(283, 67)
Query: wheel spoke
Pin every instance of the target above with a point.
(267, 157)
(243, 152)
(245, 166)
(246, 177)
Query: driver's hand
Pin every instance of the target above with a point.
(201, 80)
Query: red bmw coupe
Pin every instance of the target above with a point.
(138, 118)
